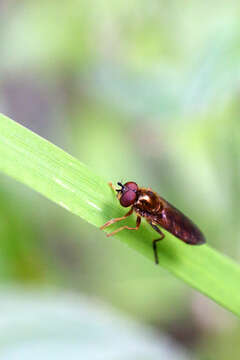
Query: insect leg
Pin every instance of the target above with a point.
(156, 240)
(112, 221)
(112, 186)
(138, 222)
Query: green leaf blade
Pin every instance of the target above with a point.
(61, 178)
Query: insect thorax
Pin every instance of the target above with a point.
(147, 201)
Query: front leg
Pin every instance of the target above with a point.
(138, 222)
(113, 221)
(112, 186)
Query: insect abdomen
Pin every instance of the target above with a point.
(180, 226)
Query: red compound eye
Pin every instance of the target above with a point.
(131, 186)
(128, 198)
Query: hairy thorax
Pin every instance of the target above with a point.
(147, 202)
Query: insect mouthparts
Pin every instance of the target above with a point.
(120, 184)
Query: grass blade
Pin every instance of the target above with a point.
(61, 178)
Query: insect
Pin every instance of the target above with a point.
(157, 211)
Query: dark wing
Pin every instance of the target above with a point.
(178, 224)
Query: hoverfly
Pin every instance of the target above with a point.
(157, 211)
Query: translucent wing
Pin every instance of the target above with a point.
(178, 224)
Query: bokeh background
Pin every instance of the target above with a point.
(138, 90)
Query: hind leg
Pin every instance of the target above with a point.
(156, 228)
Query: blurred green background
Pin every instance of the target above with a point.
(142, 91)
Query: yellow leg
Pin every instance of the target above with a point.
(138, 222)
(113, 221)
(112, 186)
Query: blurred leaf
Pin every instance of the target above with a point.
(63, 179)
(149, 94)
(66, 326)
(168, 91)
